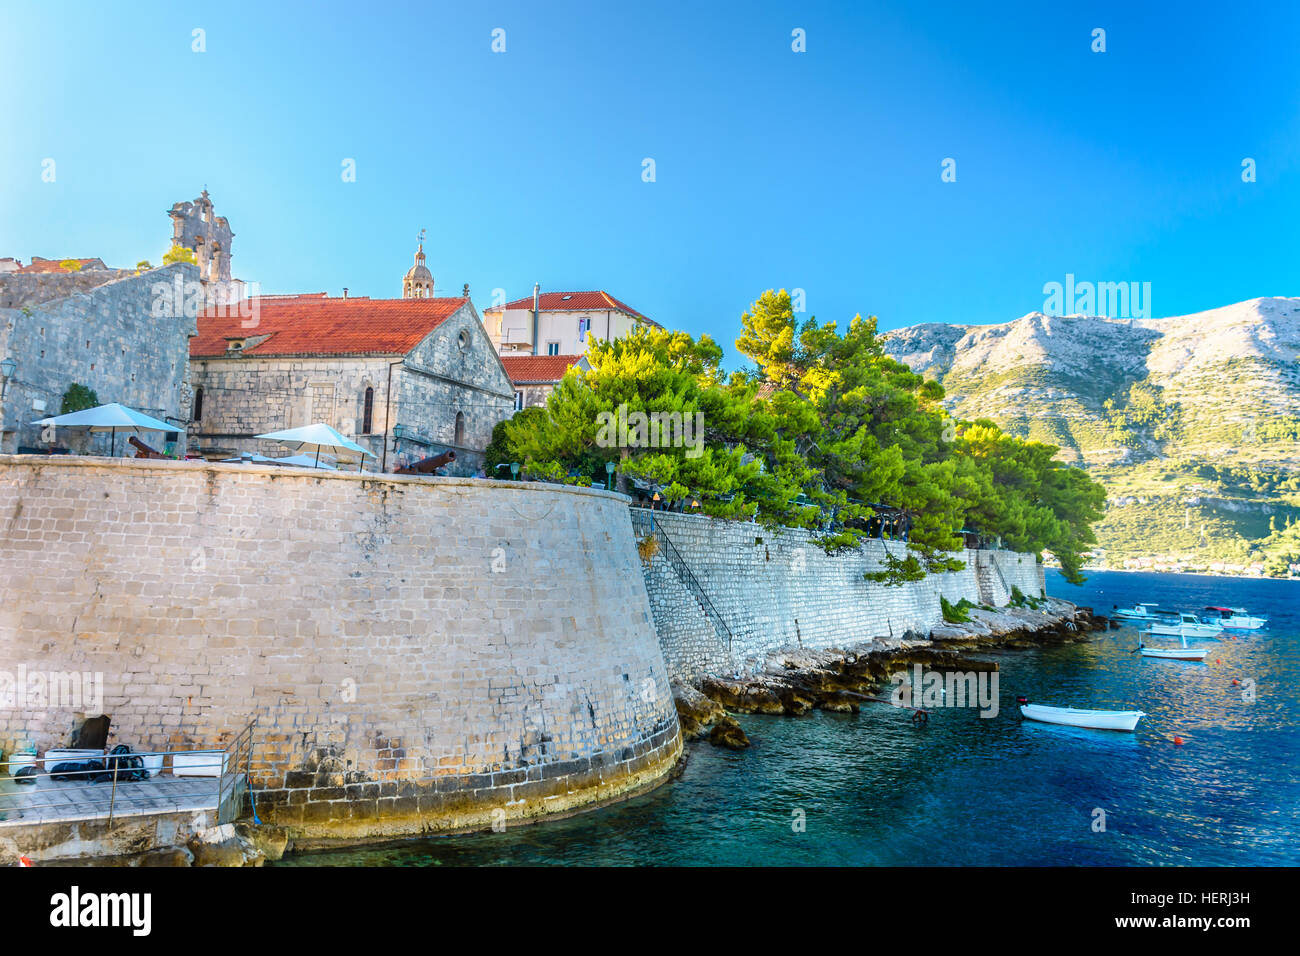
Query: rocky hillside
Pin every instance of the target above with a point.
(1192, 422)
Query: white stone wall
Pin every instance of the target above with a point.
(102, 329)
(417, 652)
(775, 589)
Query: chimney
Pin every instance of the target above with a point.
(345, 292)
(537, 304)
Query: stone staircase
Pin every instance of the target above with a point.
(643, 523)
(993, 588)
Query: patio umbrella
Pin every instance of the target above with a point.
(249, 460)
(315, 437)
(303, 461)
(108, 418)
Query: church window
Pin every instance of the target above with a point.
(198, 404)
(367, 412)
(463, 339)
(460, 429)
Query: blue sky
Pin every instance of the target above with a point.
(816, 170)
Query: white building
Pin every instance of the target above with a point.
(557, 323)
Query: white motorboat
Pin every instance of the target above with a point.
(1234, 618)
(1186, 626)
(1175, 653)
(1141, 613)
(1075, 717)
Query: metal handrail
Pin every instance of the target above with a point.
(226, 759)
(679, 564)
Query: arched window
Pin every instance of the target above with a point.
(368, 411)
(198, 404)
(460, 429)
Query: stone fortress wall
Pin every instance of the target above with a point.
(419, 654)
(725, 593)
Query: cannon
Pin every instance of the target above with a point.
(144, 451)
(428, 466)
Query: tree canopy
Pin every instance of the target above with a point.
(824, 431)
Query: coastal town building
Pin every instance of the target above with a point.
(405, 378)
(540, 338)
(106, 329)
(122, 333)
(557, 323)
(535, 376)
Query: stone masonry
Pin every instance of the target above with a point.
(100, 328)
(763, 590)
(419, 654)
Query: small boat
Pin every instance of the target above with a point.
(1187, 625)
(1234, 618)
(1141, 613)
(1074, 717)
(1183, 653)
(1175, 653)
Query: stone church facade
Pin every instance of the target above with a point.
(405, 378)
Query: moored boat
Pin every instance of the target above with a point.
(1234, 618)
(1186, 626)
(1078, 717)
(1142, 613)
(1175, 653)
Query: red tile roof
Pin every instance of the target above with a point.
(538, 369)
(53, 265)
(315, 324)
(573, 302)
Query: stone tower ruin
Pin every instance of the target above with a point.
(195, 228)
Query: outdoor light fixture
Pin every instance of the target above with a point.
(7, 369)
(514, 469)
(609, 476)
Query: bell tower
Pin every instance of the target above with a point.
(418, 283)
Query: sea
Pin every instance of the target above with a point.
(1211, 777)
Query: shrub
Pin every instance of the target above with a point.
(954, 614)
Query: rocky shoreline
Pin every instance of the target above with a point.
(794, 681)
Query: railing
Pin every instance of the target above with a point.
(645, 517)
(241, 751)
(1005, 587)
(228, 766)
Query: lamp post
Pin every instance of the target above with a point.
(7, 369)
(609, 476)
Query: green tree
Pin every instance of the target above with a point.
(78, 398)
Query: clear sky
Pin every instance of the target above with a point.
(817, 170)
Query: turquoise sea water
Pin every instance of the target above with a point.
(966, 790)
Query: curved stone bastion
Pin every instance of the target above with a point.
(419, 654)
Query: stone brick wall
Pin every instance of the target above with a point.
(419, 654)
(768, 590)
(97, 328)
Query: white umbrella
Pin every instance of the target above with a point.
(249, 460)
(316, 437)
(108, 418)
(302, 461)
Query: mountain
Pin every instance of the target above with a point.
(1192, 423)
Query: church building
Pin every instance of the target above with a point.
(405, 378)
